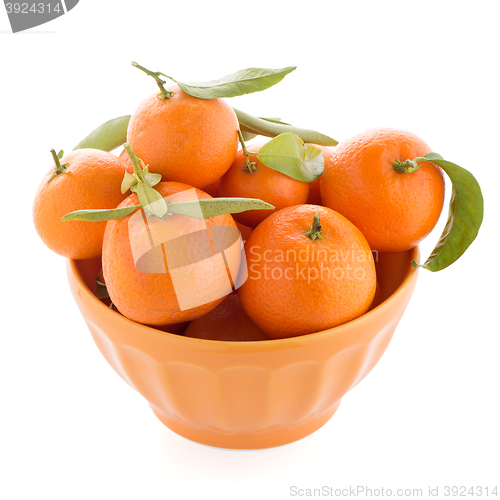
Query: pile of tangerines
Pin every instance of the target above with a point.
(312, 213)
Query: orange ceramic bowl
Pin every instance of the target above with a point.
(246, 394)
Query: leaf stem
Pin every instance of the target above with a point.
(249, 165)
(58, 169)
(165, 94)
(314, 232)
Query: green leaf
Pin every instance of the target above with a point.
(151, 179)
(60, 154)
(247, 136)
(127, 182)
(212, 207)
(98, 215)
(250, 135)
(464, 218)
(107, 136)
(201, 209)
(151, 200)
(245, 81)
(269, 128)
(275, 120)
(287, 154)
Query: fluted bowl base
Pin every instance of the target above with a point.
(264, 438)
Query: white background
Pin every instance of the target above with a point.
(427, 415)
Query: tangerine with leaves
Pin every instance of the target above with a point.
(85, 178)
(262, 182)
(309, 269)
(147, 261)
(372, 180)
(184, 138)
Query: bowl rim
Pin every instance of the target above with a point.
(100, 308)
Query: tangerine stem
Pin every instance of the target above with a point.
(407, 166)
(249, 165)
(58, 169)
(165, 94)
(135, 163)
(314, 232)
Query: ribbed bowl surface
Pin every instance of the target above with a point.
(246, 394)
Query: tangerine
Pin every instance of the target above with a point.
(164, 271)
(309, 269)
(314, 196)
(377, 299)
(184, 138)
(90, 179)
(394, 209)
(228, 321)
(262, 183)
(127, 162)
(212, 189)
(177, 328)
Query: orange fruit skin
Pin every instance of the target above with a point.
(308, 285)
(177, 328)
(125, 159)
(264, 184)
(377, 299)
(394, 211)
(92, 180)
(228, 321)
(184, 138)
(212, 189)
(245, 231)
(314, 196)
(150, 297)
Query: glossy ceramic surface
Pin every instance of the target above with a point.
(246, 394)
